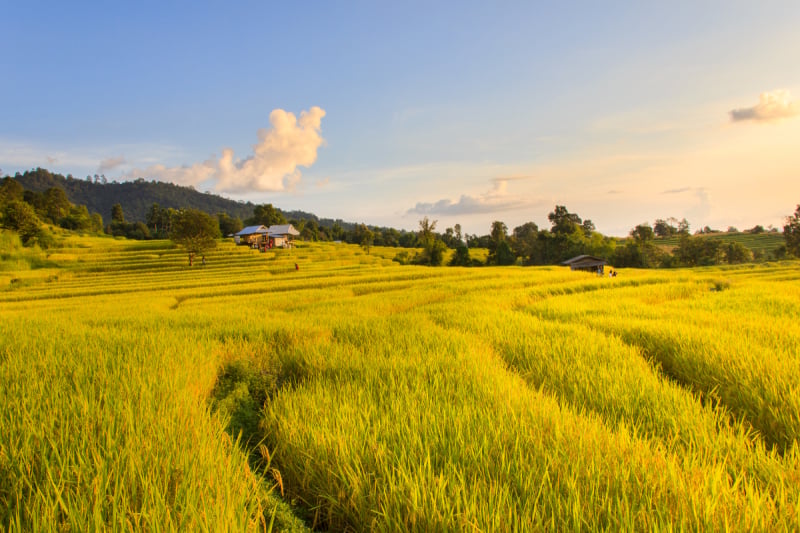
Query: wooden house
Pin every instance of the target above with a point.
(265, 238)
(280, 235)
(251, 235)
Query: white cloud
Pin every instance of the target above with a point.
(771, 106)
(495, 200)
(273, 166)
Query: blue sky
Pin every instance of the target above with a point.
(465, 112)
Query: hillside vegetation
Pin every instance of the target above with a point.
(761, 244)
(326, 387)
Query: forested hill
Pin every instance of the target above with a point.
(135, 197)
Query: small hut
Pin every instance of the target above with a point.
(280, 235)
(251, 235)
(587, 263)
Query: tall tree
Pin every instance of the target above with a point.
(195, 231)
(10, 189)
(228, 225)
(367, 237)
(498, 235)
(457, 229)
(426, 229)
(791, 233)
(21, 217)
(643, 233)
(267, 215)
(116, 213)
(563, 221)
(56, 204)
(525, 240)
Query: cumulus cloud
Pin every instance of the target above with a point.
(771, 106)
(110, 163)
(494, 200)
(290, 142)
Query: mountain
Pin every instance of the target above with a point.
(135, 197)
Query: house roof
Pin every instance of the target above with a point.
(584, 259)
(250, 230)
(282, 229)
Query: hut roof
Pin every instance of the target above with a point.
(584, 261)
(252, 230)
(282, 229)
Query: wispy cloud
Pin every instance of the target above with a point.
(495, 200)
(110, 163)
(771, 106)
(677, 191)
(290, 142)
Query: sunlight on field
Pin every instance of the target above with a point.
(354, 393)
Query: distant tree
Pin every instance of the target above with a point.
(664, 229)
(97, 222)
(116, 213)
(791, 233)
(78, 219)
(588, 227)
(525, 240)
(639, 251)
(10, 189)
(57, 204)
(365, 237)
(732, 229)
(391, 237)
(426, 234)
(736, 252)
(457, 231)
(643, 233)
(37, 201)
(477, 241)
(432, 255)
(408, 239)
(228, 225)
(503, 255)
(461, 256)
(433, 249)
(195, 231)
(498, 234)
(755, 230)
(310, 231)
(19, 216)
(449, 238)
(698, 251)
(155, 218)
(138, 231)
(563, 221)
(267, 215)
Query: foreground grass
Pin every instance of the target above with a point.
(140, 393)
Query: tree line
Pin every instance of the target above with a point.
(27, 211)
(570, 236)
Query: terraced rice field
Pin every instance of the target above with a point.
(358, 394)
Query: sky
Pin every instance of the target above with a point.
(387, 112)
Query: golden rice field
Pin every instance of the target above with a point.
(357, 394)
